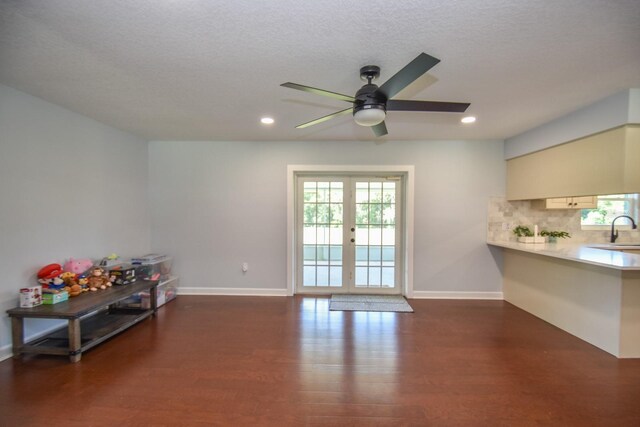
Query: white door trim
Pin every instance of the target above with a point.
(406, 170)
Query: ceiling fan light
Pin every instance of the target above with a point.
(369, 116)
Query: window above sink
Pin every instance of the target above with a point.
(609, 207)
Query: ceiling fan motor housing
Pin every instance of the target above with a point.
(368, 98)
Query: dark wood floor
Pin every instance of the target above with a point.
(239, 361)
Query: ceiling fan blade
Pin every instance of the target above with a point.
(407, 75)
(325, 118)
(317, 91)
(436, 106)
(380, 129)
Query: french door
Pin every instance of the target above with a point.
(349, 234)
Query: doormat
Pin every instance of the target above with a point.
(393, 303)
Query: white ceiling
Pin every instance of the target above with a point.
(208, 70)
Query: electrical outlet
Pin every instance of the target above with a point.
(245, 267)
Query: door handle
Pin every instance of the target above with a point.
(353, 229)
(353, 240)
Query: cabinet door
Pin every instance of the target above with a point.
(559, 203)
(585, 202)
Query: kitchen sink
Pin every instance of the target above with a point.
(622, 247)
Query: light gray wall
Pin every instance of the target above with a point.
(217, 204)
(69, 187)
(612, 111)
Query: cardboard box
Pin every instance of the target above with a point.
(123, 275)
(51, 298)
(31, 296)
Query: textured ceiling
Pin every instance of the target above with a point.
(208, 70)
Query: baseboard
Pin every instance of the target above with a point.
(233, 291)
(6, 352)
(457, 295)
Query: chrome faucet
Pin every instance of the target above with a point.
(614, 236)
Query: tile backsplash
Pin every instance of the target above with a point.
(521, 212)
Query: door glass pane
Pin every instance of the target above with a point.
(336, 192)
(375, 192)
(323, 192)
(335, 254)
(322, 256)
(389, 192)
(362, 255)
(375, 255)
(388, 213)
(323, 218)
(322, 235)
(361, 276)
(309, 253)
(362, 213)
(322, 274)
(309, 234)
(375, 235)
(335, 276)
(309, 276)
(335, 234)
(362, 192)
(388, 277)
(388, 255)
(362, 235)
(389, 235)
(336, 213)
(375, 213)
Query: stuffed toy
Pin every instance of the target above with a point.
(71, 284)
(49, 277)
(78, 266)
(97, 279)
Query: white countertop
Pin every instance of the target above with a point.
(579, 252)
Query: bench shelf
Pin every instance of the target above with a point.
(92, 318)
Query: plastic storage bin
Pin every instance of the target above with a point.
(153, 267)
(166, 291)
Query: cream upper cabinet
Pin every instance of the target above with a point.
(604, 163)
(583, 202)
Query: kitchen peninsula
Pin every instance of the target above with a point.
(585, 289)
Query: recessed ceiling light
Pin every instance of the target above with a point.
(267, 121)
(468, 119)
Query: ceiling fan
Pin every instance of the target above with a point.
(371, 103)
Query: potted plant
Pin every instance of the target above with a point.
(553, 236)
(525, 235)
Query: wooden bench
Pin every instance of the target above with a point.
(93, 318)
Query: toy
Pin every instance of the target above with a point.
(84, 283)
(49, 271)
(31, 296)
(97, 279)
(56, 284)
(78, 266)
(49, 277)
(122, 275)
(110, 261)
(72, 286)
